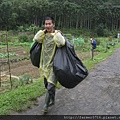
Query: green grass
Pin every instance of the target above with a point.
(21, 98)
(25, 96)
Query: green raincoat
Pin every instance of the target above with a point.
(49, 42)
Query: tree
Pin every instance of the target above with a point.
(5, 13)
(79, 14)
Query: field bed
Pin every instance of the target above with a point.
(18, 68)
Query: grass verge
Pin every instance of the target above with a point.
(90, 64)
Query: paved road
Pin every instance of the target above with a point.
(98, 94)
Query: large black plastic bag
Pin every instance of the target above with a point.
(68, 68)
(35, 53)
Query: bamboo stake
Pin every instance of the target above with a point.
(8, 60)
(0, 72)
(0, 76)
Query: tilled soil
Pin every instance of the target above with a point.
(98, 94)
(18, 68)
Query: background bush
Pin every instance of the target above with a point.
(23, 38)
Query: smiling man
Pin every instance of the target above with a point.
(50, 39)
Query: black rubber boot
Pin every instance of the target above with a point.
(47, 101)
(52, 100)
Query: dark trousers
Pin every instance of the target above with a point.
(50, 87)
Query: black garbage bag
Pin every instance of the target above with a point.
(68, 68)
(35, 53)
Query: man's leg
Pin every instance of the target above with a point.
(45, 83)
(51, 90)
(50, 95)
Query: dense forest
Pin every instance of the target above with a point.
(77, 14)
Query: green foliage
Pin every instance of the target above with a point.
(3, 37)
(114, 33)
(26, 28)
(21, 29)
(79, 40)
(19, 44)
(103, 15)
(23, 95)
(23, 38)
(5, 55)
(107, 32)
(100, 30)
(30, 37)
(27, 49)
(82, 47)
(100, 49)
(98, 41)
(1, 46)
(25, 79)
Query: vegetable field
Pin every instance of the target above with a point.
(20, 67)
(15, 65)
(20, 63)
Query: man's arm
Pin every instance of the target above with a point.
(39, 37)
(59, 39)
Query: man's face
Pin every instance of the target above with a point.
(49, 26)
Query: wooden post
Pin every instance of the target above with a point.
(92, 50)
(106, 47)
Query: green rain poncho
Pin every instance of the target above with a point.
(49, 42)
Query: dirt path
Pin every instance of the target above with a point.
(98, 94)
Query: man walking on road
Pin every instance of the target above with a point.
(50, 39)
